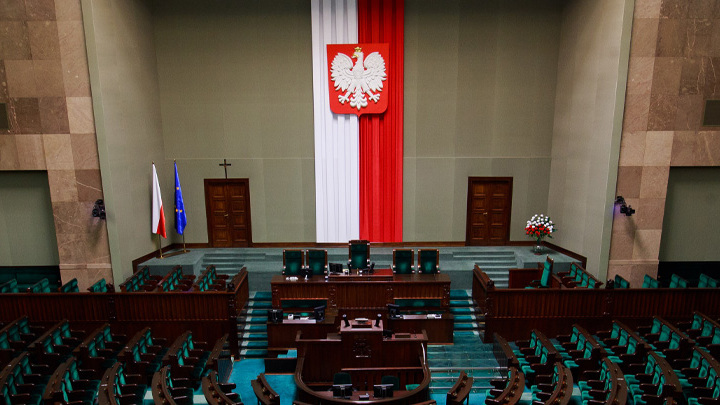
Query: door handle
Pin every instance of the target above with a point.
(484, 212)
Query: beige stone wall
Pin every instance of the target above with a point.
(674, 68)
(44, 76)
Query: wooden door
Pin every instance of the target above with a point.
(227, 205)
(488, 212)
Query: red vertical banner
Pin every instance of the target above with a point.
(381, 136)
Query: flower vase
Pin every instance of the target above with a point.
(538, 248)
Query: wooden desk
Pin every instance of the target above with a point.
(361, 351)
(367, 291)
(439, 330)
(281, 336)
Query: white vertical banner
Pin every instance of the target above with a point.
(337, 150)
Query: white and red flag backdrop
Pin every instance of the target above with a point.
(358, 162)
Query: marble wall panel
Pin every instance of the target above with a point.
(682, 38)
(44, 79)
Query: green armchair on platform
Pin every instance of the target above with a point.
(358, 254)
(293, 262)
(317, 261)
(428, 261)
(547, 271)
(403, 261)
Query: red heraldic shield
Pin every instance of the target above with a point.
(358, 75)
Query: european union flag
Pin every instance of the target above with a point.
(180, 218)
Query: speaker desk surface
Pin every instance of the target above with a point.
(363, 291)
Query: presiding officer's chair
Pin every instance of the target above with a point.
(428, 261)
(403, 261)
(293, 262)
(358, 254)
(317, 262)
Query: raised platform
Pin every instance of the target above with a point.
(457, 262)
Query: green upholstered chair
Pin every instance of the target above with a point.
(677, 282)
(42, 286)
(317, 262)
(391, 379)
(293, 262)
(358, 254)
(428, 261)
(9, 286)
(70, 287)
(649, 282)
(99, 287)
(706, 281)
(547, 271)
(620, 282)
(342, 378)
(403, 261)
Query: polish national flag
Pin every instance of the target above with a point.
(158, 215)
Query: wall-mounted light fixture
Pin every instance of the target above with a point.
(624, 207)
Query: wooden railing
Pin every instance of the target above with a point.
(514, 312)
(209, 314)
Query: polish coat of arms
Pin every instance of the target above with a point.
(358, 75)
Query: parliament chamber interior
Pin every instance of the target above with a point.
(366, 202)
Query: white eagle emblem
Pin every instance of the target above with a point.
(365, 76)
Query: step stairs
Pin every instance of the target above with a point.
(229, 262)
(496, 264)
(252, 325)
(468, 353)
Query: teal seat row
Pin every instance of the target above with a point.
(210, 280)
(10, 286)
(404, 261)
(621, 282)
(100, 286)
(649, 282)
(122, 388)
(141, 280)
(176, 280)
(22, 382)
(70, 287)
(68, 384)
(143, 354)
(296, 261)
(706, 281)
(677, 282)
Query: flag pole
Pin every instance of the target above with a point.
(160, 246)
(184, 250)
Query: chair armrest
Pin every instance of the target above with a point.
(708, 401)
(598, 394)
(648, 388)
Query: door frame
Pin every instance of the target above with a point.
(208, 212)
(508, 180)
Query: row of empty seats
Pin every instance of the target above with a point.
(312, 262)
(62, 365)
(44, 286)
(652, 364)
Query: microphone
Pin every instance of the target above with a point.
(347, 323)
(377, 321)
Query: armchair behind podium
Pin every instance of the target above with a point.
(293, 262)
(317, 261)
(428, 261)
(358, 254)
(403, 261)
